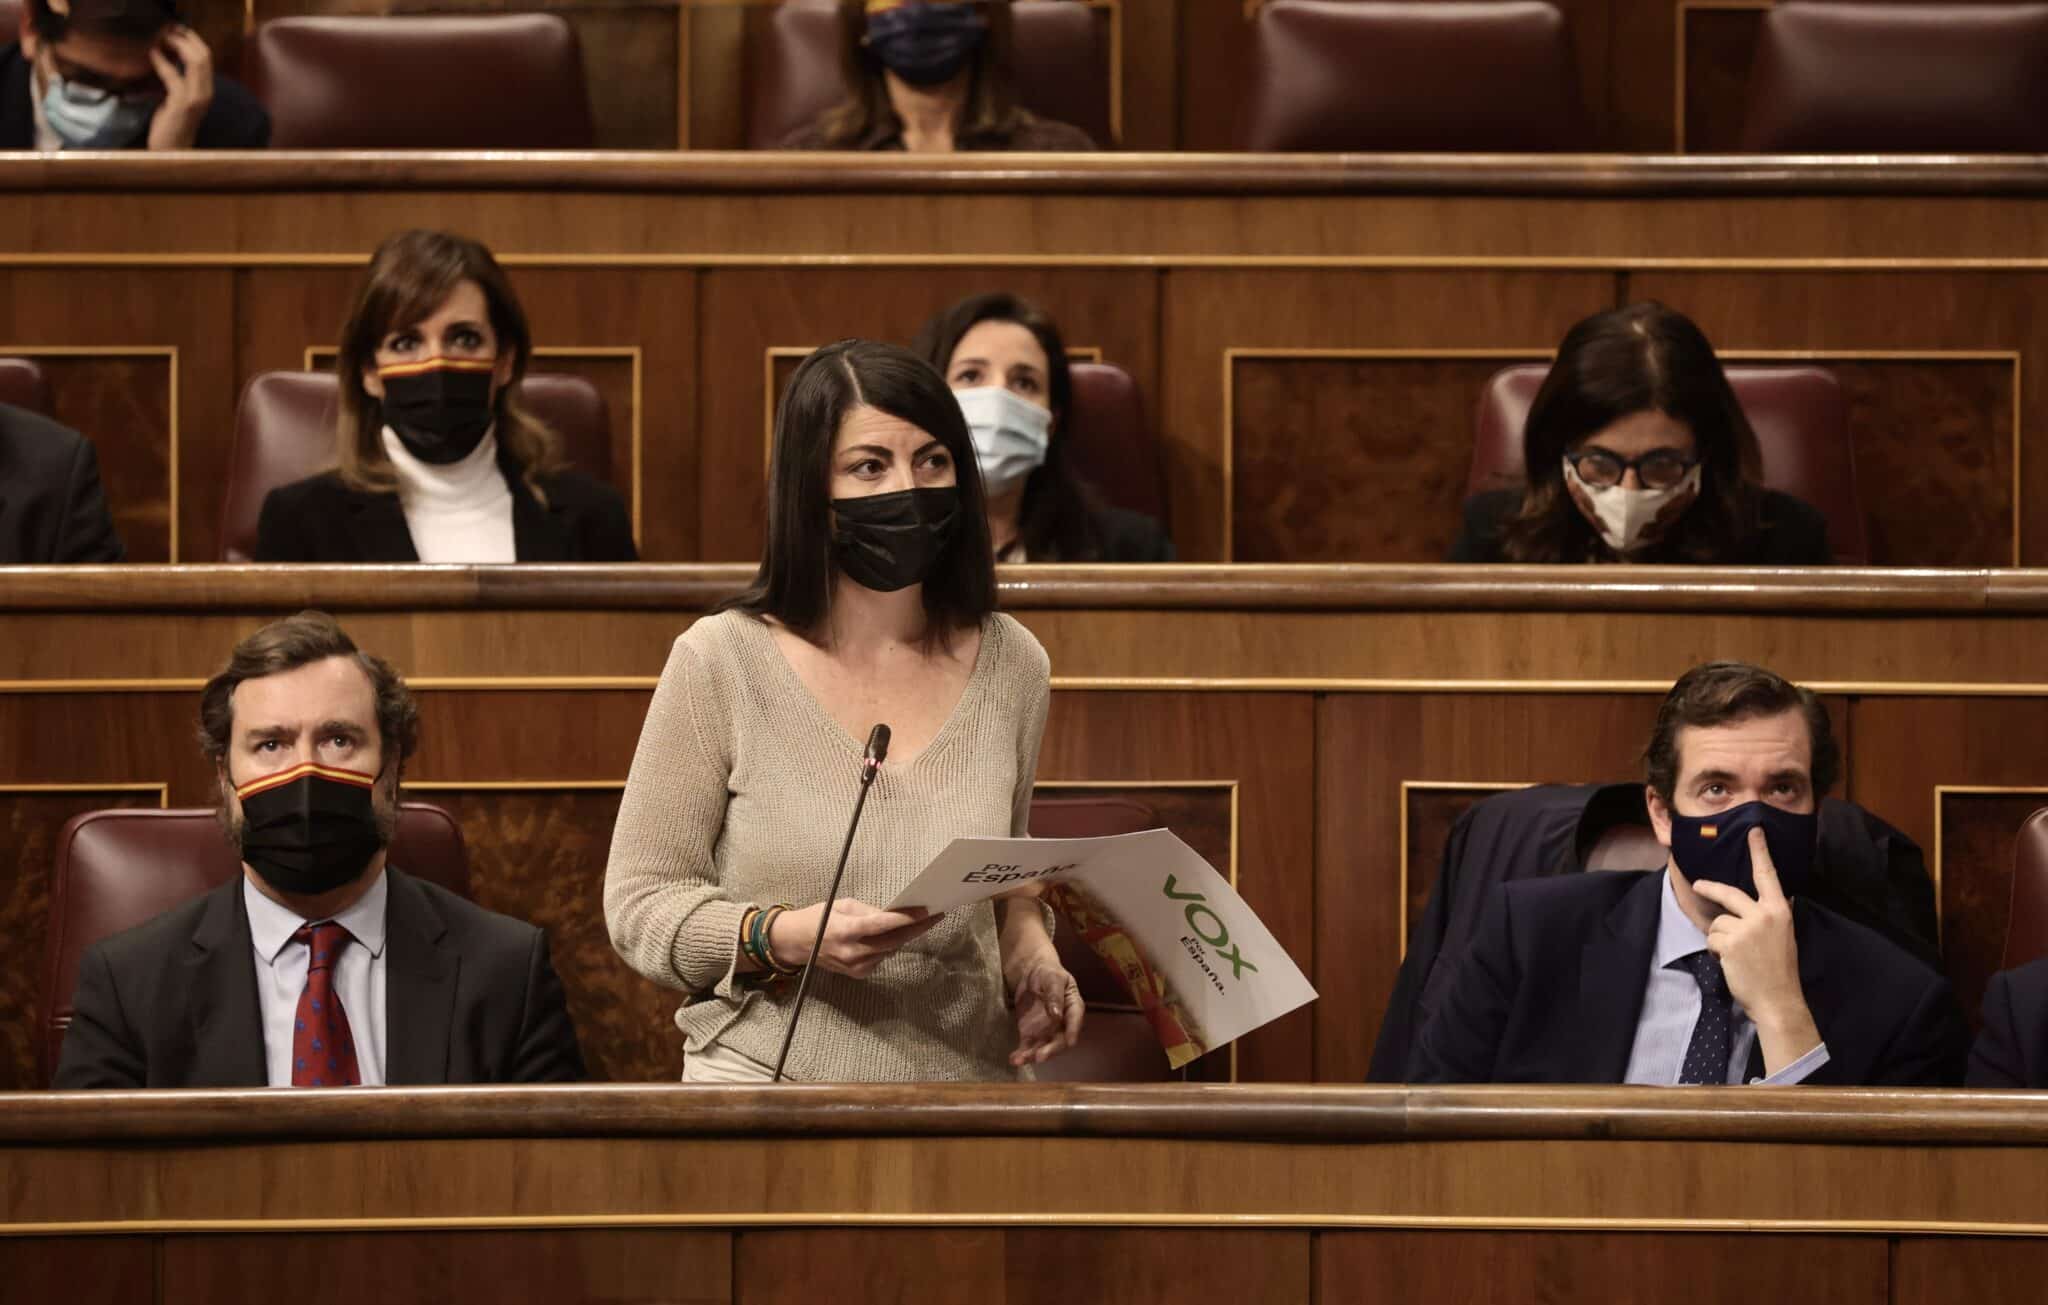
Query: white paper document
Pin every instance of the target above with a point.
(1205, 969)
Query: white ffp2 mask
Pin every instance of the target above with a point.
(1624, 516)
(1011, 434)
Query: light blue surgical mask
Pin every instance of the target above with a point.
(88, 118)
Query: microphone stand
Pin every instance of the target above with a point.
(878, 747)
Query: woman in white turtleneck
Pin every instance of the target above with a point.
(436, 459)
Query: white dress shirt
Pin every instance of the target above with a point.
(1671, 1006)
(458, 511)
(358, 978)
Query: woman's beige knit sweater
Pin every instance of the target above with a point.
(739, 796)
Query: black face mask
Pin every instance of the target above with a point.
(926, 44)
(1716, 847)
(310, 829)
(887, 542)
(440, 408)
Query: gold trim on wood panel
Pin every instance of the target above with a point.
(1685, 9)
(1439, 785)
(632, 352)
(1979, 790)
(996, 1219)
(1232, 353)
(168, 352)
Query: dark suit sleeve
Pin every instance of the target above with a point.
(1930, 1049)
(236, 120)
(1459, 1041)
(1995, 1058)
(100, 1048)
(1795, 534)
(280, 531)
(547, 1050)
(86, 532)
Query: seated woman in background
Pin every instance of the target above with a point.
(930, 78)
(1007, 365)
(436, 458)
(1637, 451)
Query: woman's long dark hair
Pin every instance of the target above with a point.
(794, 584)
(1058, 519)
(1642, 358)
(991, 109)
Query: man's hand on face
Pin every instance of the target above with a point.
(1760, 958)
(188, 90)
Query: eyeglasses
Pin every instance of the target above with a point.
(87, 87)
(1657, 469)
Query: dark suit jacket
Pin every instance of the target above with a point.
(51, 508)
(1793, 533)
(235, 120)
(1552, 986)
(2012, 1049)
(470, 997)
(319, 519)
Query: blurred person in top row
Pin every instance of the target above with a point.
(119, 75)
(930, 78)
(1637, 451)
(437, 459)
(1007, 366)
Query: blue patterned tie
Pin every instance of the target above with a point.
(1713, 1037)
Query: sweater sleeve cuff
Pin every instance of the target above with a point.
(707, 946)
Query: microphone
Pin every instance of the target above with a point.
(870, 762)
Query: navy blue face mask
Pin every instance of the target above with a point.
(926, 44)
(1716, 847)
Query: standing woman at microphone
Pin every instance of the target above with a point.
(874, 604)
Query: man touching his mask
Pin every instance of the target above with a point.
(320, 965)
(119, 75)
(1714, 969)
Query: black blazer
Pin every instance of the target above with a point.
(51, 507)
(319, 519)
(470, 997)
(235, 120)
(1793, 533)
(2012, 1049)
(1552, 986)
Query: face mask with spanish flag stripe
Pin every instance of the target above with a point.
(310, 829)
(440, 408)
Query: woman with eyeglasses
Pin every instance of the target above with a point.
(1637, 451)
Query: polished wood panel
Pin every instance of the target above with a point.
(1719, 45)
(597, 1266)
(1930, 1271)
(1354, 460)
(1019, 1266)
(123, 402)
(1457, 1267)
(114, 1269)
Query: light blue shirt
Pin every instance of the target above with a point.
(358, 978)
(1671, 1006)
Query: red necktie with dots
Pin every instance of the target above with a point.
(323, 1050)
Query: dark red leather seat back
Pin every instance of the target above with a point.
(117, 869)
(23, 384)
(1900, 79)
(1109, 442)
(2026, 925)
(1371, 76)
(446, 82)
